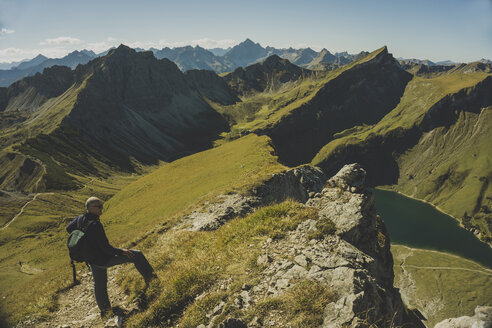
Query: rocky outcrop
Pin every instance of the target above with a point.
(352, 259)
(296, 184)
(481, 319)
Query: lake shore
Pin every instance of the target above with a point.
(437, 208)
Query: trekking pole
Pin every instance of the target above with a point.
(73, 272)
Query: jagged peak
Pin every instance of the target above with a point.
(377, 55)
(122, 50)
(383, 51)
(249, 43)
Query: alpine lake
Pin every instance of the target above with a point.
(419, 225)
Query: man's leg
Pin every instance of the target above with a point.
(100, 276)
(141, 264)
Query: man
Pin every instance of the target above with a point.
(103, 255)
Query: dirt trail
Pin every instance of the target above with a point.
(446, 268)
(33, 199)
(20, 212)
(77, 306)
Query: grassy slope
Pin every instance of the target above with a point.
(153, 200)
(465, 162)
(441, 293)
(262, 110)
(420, 94)
(225, 256)
(161, 195)
(37, 238)
(10, 206)
(44, 121)
(423, 167)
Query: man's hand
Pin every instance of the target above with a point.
(128, 253)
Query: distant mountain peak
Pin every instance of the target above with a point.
(249, 43)
(122, 50)
(275, 59)
(40, 57)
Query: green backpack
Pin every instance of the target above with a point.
(77, 246)
(77, 242)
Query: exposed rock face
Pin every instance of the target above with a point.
(481, 319)
(355, 261)
(150, 111)
(351, 176)
(362, 269)
(297, 184)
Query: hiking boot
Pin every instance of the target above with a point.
(150, 278)
(106, 314)
(119, 311)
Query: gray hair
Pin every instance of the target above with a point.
(91, 201)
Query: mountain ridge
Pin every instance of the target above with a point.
(157, 115)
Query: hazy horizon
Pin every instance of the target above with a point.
(459, 31)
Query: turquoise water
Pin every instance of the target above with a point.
(417, 224)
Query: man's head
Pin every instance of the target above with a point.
(94, 205)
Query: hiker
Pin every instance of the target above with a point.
(103, 255)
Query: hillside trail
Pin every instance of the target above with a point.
(77, 306)
(22, 209)
(488, 272)
(85, 185)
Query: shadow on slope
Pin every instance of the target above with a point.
(362, 94)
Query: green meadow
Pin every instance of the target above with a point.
(440, 284)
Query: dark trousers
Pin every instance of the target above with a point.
(100, 275)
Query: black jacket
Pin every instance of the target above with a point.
(99, 245)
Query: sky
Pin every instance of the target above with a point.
(456, 30)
